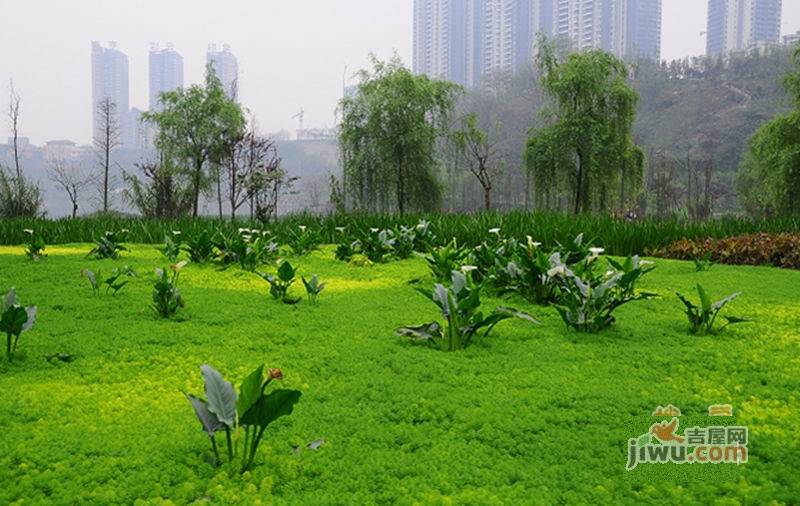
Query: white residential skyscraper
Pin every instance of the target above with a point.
(166, 73)
(581, 23)
(465, 40)
(642, 29)
(226, 67)
(110, 81)
(627, 28)
(509, 30)
(739, 25)
(446, 33)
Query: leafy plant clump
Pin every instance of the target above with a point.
(279, 285)
(114, 283)
(15, 320)
(250, 248)
(171, 249)
(199, 246)
(166, 296)
(242, 416)
(460, 306)
(377, 244)
(587, 302)
(34, 248)
(525, 273)
(304, 240)
(703, 317)
(313, 288)
(443, 260)
(109, 245)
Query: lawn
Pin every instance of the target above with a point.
(530, 415)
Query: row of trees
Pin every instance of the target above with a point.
(204, 147)
(560, 135)
(399, 132)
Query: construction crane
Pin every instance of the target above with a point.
(300, 116)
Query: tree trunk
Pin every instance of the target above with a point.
(105, 173)
(401, 194)
(219, 193)
(579, 185)
(487, 198)
(232, 196)
(105, 186)
(196, 190)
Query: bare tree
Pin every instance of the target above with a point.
(663, 183)
(266, 181)
(253, 174)
(480, 152)
(245, 154)
(107, 139)
(13, 117)
(18, 197)
(70, 178)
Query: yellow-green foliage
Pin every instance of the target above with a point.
(531, 415)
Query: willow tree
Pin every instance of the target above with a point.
(388, 138)
(195, 128)
(769, 176)
(587, 149)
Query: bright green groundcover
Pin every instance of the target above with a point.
(531, 415)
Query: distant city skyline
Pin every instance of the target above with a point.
(298, 60)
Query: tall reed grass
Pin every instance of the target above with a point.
(619, 237)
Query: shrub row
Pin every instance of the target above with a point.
(779, 250)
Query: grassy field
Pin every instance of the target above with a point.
(531, 415)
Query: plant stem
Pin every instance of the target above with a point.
(246, 444)
(230, 444)
(254, 447)
(214, 447)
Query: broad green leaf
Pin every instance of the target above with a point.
(31, 318)
(221, 396)
(441, 296)
(516, 313)
(286, 271)
(733, 320)
(250, 390)
(13, 320)
(270, 407)
(720, 304)
(424, 332)
(10, 299)
(459, 281)
(705, 300)
(686, 302)
(209, 420)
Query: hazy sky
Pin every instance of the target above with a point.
(292, 53)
